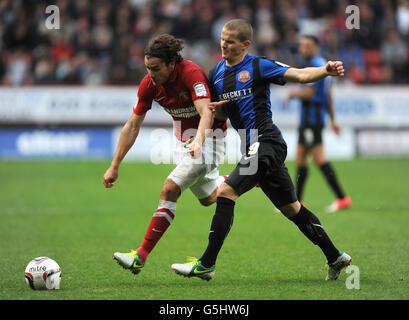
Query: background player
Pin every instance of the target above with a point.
(316, 100)
(245, 80)
(181, 88)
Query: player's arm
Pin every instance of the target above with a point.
(331, 112)
(127, 138)
(206, 123)
(314, 74)
(306, 93)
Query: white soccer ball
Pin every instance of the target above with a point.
(43, 273)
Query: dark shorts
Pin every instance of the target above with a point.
(264, 166)
(310, 136)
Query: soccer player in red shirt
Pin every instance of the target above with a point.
(181, 88)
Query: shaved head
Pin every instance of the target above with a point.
(242, 27)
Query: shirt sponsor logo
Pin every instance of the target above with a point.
(244, 76)
(235, 95)
(182, 112)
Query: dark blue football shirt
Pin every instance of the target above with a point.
(247, 87)
(313, 112)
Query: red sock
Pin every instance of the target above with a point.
(161, 220)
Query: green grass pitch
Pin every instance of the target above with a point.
(61, 210)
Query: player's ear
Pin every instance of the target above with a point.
(246, 44)
(172, 64)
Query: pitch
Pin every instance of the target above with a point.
(62, 210)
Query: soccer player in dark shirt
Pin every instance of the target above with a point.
(244, 81)
(316, 101)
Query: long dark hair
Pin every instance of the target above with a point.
(165, 47)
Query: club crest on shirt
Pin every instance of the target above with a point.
(184, 96)
(244, 76)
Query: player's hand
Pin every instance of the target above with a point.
(335, 68)
(335, 128)
(195, 149)
(110, 177)
(214, 105)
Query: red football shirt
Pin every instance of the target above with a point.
(187, 83)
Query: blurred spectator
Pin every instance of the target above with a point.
(394, 53)
(102, 41)
(402, 17)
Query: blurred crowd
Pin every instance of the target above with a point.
(102, 41)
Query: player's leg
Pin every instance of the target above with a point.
(207, 201)
(302, 170)
(241, 180)
(311, 227)
(191, 173)
(278, 187)
(160, 221)
(205, 189)
(221, 224)
(244, 177)
(305, 141)
(342, 201)
(185, 174)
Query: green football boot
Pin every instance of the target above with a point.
(130, 261)
(194, 268)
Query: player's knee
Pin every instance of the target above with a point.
(319, 161)
(318, 155)
(226, 191)
(301, 158)
(290, 210)
(301, 162)
(207, 201)
(170, 191)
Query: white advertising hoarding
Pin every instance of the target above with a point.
(355, 106)
(359, 111)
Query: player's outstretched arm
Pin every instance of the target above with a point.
(314, 74)
(126, 140)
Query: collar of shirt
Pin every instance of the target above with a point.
(242, 62)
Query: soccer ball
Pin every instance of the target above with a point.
(43, 273)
